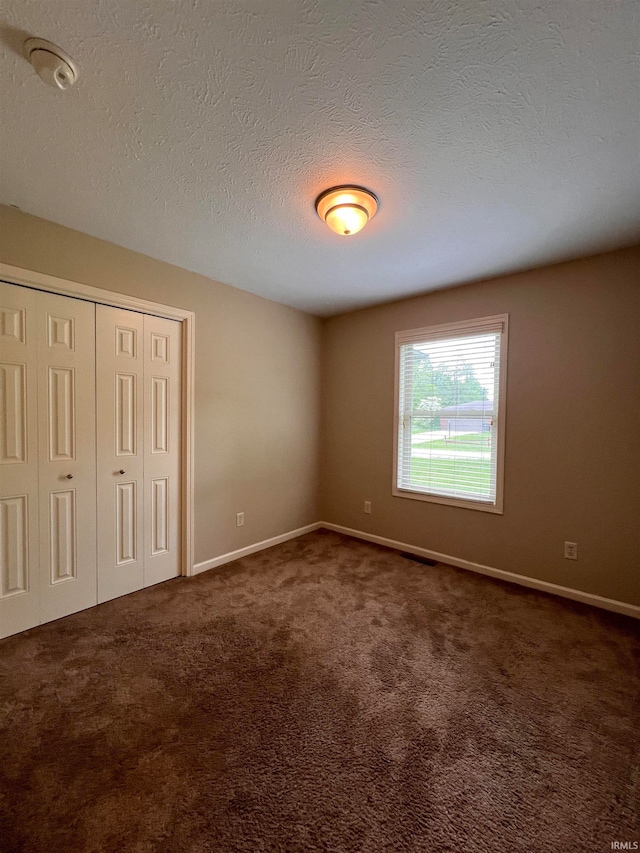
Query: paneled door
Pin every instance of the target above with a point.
(47, 457)
(67, 454)
(139, 419)
(90, 454)
(162, 425)
(119, 407)
(19, 542)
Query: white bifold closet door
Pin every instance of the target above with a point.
(138, 422)
(90, 419)
(47, 457)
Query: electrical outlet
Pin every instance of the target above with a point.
(571, 550)
(367, 507)
(239, 519)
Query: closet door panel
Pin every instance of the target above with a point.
(84, 386)
(120, 411)
(19, 577)
(67, 474)
(162, 409)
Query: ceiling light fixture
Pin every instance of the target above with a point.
(346, 209)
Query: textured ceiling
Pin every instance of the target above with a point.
(498, 135)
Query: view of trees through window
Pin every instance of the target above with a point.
(451, 388)
(440, 387)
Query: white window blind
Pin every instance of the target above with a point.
(450, 435)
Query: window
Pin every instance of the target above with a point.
(450, 384)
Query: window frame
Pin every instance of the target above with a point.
(445, 330)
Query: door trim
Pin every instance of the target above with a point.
(40, 281)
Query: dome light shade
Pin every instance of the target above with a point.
(347, 209)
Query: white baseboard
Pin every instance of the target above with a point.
(533, 583)
(252, 549)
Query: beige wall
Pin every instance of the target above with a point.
(573, 409)
(257, 381)
(572, 467)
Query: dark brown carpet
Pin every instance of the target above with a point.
(325, 695)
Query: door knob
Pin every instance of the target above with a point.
(69, 476)
(122, 471)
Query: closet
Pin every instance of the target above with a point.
(90, 418)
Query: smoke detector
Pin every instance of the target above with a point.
(53, 65)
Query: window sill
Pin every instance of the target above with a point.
(496, 508)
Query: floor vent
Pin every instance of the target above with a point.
(416, 559)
